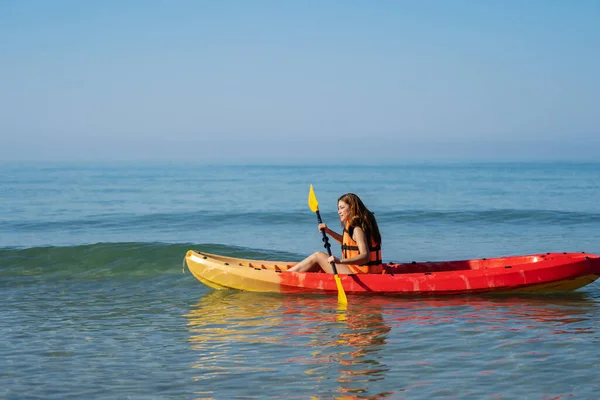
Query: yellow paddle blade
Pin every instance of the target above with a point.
(341, 309)
(313, 204)
(342, 299)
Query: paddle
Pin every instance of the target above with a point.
(313, 204)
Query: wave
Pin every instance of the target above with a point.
(156, 220)
(187, 221)
(503, 216)
(105, 260)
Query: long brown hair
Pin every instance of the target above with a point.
(361, 216)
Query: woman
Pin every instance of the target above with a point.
(360, 240)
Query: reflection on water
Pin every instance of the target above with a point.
(224, 323)
(223, 316)
(379, 346)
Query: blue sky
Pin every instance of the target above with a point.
(299, 81)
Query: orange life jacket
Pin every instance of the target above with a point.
(350, 249)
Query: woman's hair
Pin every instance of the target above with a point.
(361, 216)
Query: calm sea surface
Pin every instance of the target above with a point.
(95, 303)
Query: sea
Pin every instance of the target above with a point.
(96, 303)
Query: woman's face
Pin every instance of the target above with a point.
(343, 211)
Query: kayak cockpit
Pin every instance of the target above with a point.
(475, 264)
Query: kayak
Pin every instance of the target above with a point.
(540, 273)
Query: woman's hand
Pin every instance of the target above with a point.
(323, 227)
(333, 259)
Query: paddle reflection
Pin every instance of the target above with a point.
(351, 353)
(347, 341)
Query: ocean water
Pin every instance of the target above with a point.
(95, 303)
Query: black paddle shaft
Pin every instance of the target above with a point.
(326, 241)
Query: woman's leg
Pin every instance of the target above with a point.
(318, 259)
(310, 263)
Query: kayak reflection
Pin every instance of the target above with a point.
(357, 352)
(229, 316)
(511, 312)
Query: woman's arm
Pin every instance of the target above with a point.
(336, 236)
